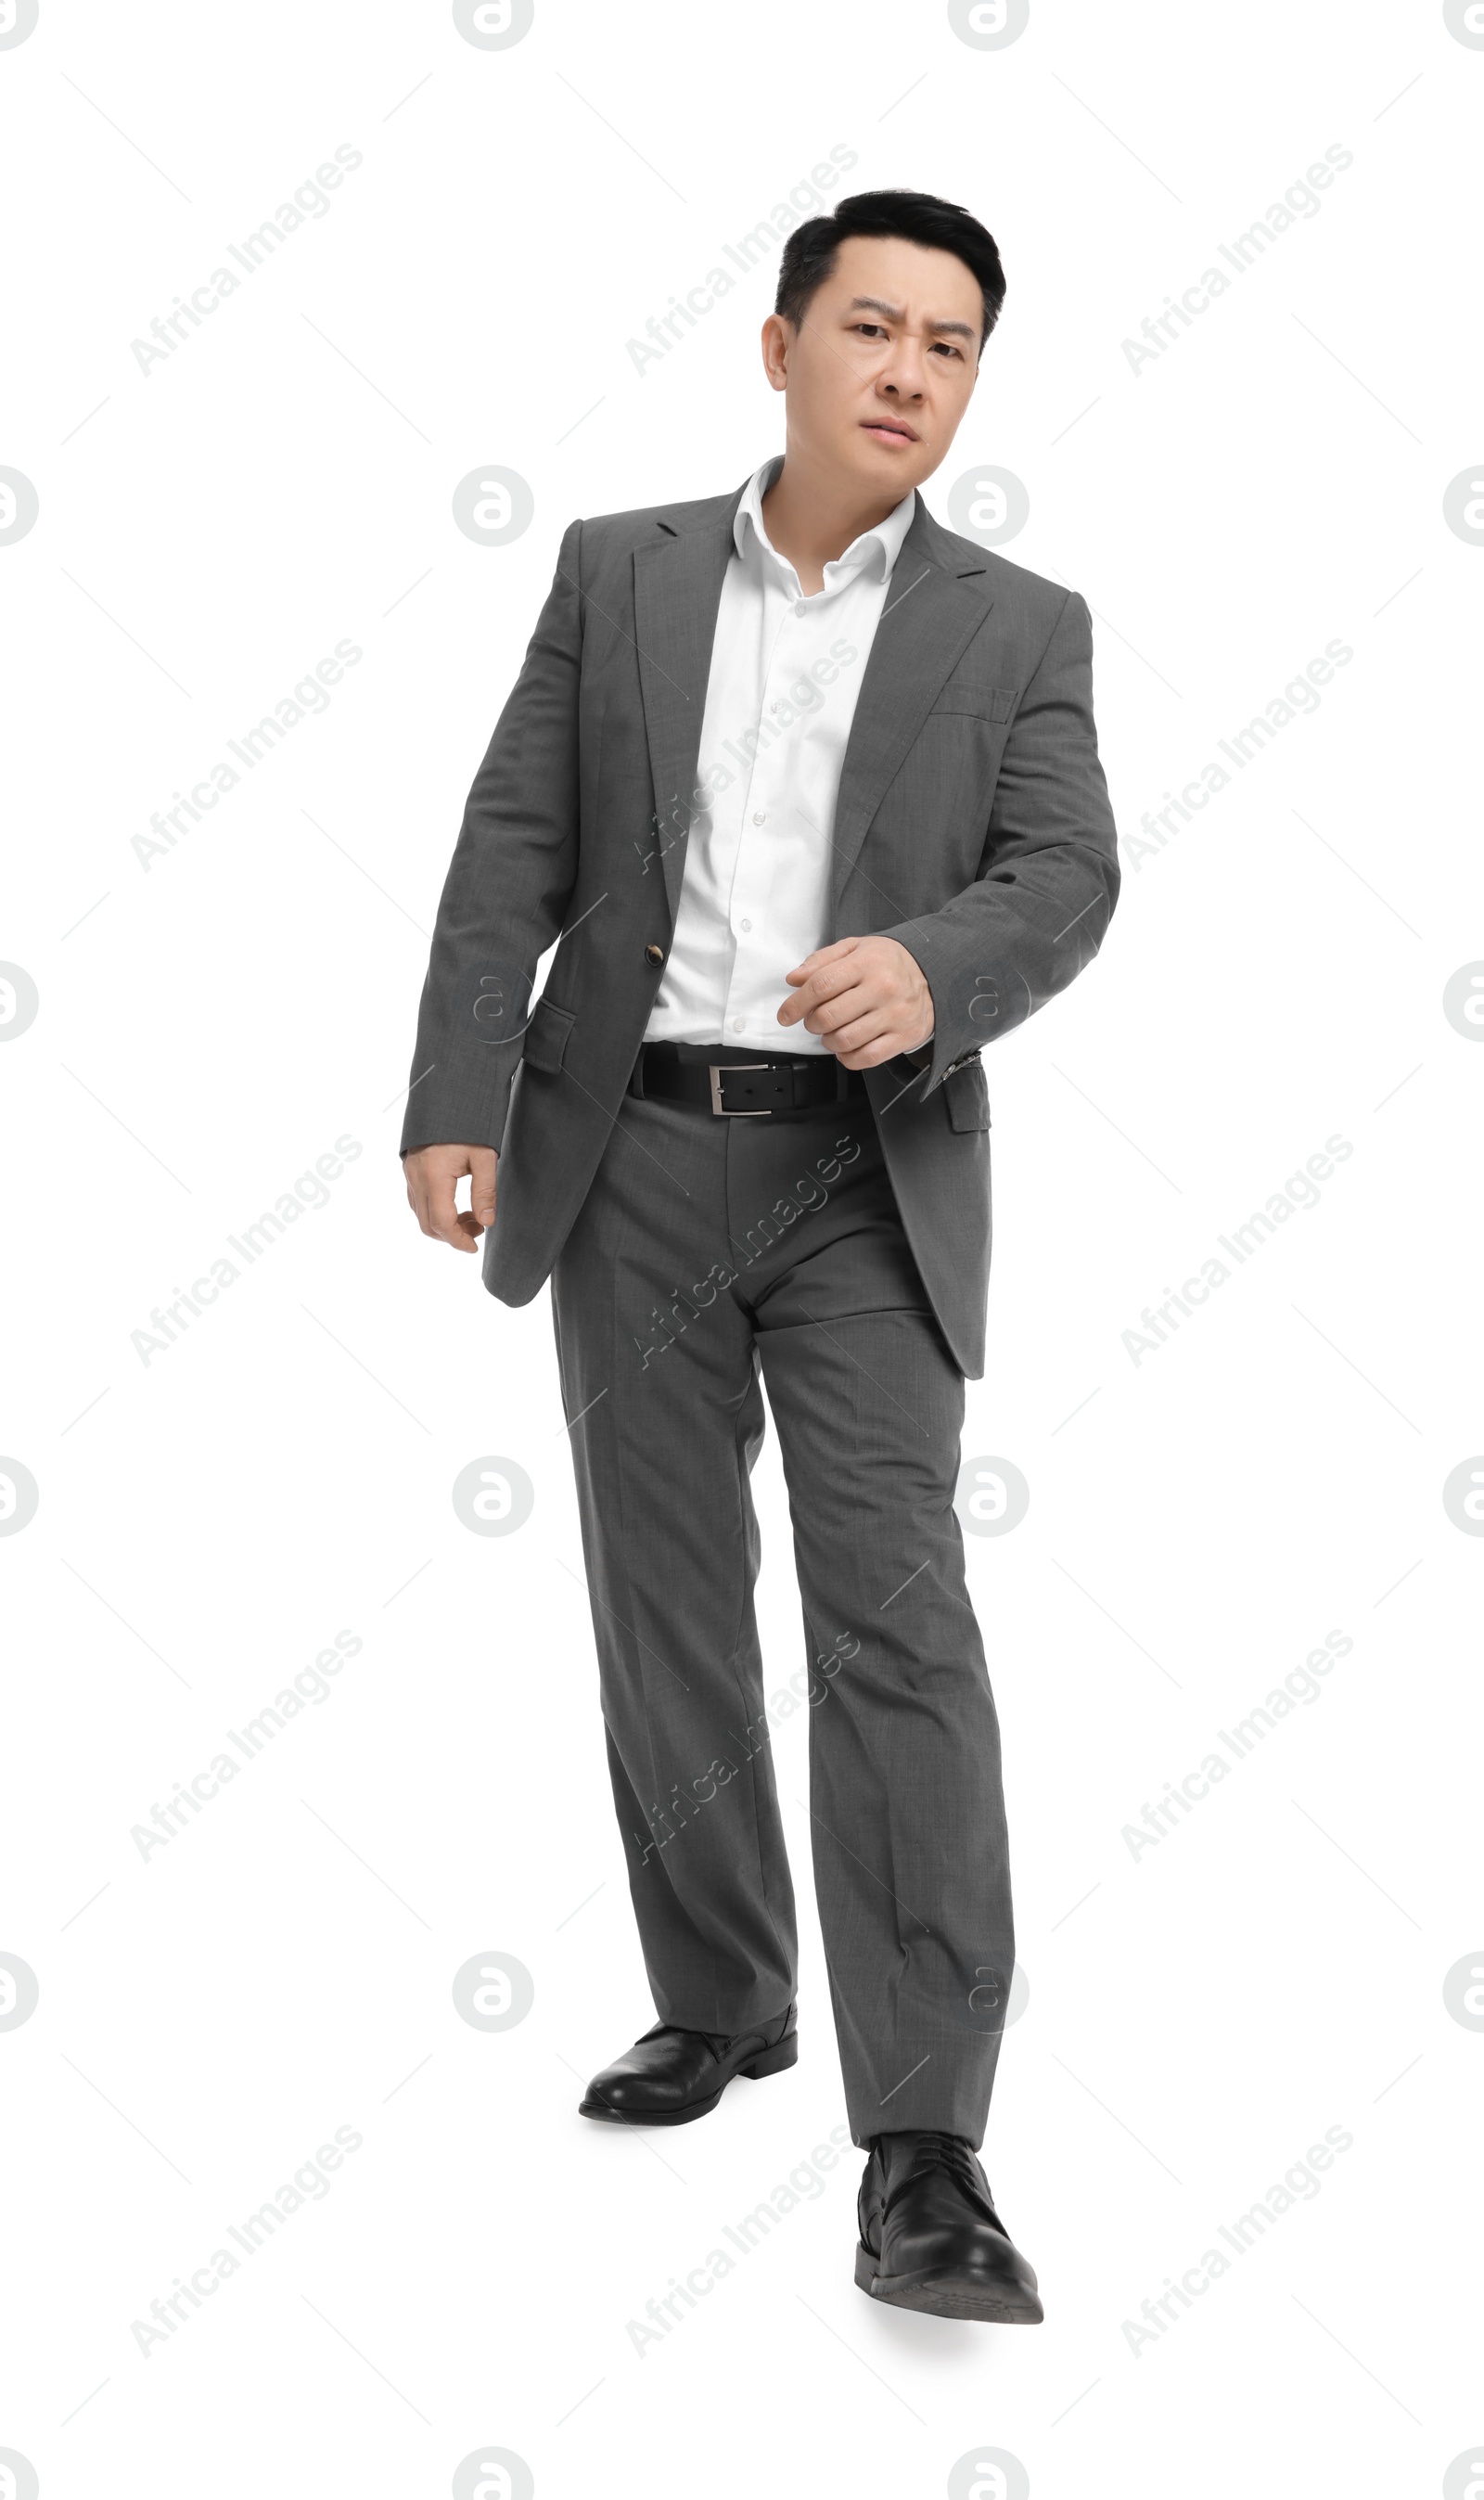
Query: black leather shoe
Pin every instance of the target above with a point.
(671, 2076)
(931, 2237)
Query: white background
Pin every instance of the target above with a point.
(210, 1023)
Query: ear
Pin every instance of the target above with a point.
(778, 338)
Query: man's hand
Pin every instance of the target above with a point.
(864, 997)
(433, 1175)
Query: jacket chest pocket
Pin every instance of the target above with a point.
(981, 703)
(967, 1096)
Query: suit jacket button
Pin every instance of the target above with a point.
(654, 954)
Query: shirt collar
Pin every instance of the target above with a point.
(875, 551)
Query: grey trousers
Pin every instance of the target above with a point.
(710, 1252)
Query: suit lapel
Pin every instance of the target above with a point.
(929, 617)
(678, 580)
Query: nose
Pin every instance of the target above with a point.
(904, 376)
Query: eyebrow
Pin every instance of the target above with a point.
(895, 312)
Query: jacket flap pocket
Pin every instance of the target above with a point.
(547, 1036)
(986, 702)
(967, 1095)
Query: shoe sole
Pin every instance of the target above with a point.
(772, 2062)
(943, 2293)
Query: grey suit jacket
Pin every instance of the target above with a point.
(972, 825)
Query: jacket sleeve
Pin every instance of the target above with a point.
(512, 871)
(1049, 877)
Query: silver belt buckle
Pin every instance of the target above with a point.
(737, 1067)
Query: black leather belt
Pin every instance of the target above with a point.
(734, 1085)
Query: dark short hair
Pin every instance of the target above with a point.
(916, 217)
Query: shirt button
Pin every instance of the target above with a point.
(797, 606)
(761, 818)
(739, 1024)
(747, 928)
(654, 954)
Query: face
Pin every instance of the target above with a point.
(883, 363)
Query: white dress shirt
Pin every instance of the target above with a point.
(785, 676)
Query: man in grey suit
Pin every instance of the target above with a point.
(807, 790)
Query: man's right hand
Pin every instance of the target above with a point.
(433, 1175)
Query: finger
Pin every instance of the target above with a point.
(860, 1033)
(482, 1189)
(802, 1004)
(874, 1055)
(821, 955)
(833, 1012)
(832, 983)
(439, 1214)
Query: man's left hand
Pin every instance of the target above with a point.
(866, 999)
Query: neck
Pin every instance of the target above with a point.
(813, 514)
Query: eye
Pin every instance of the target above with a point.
(869, 329)
(947, 348)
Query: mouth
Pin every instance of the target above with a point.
(888, 429)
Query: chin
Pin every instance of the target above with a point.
(883, 461)
(869, 454)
